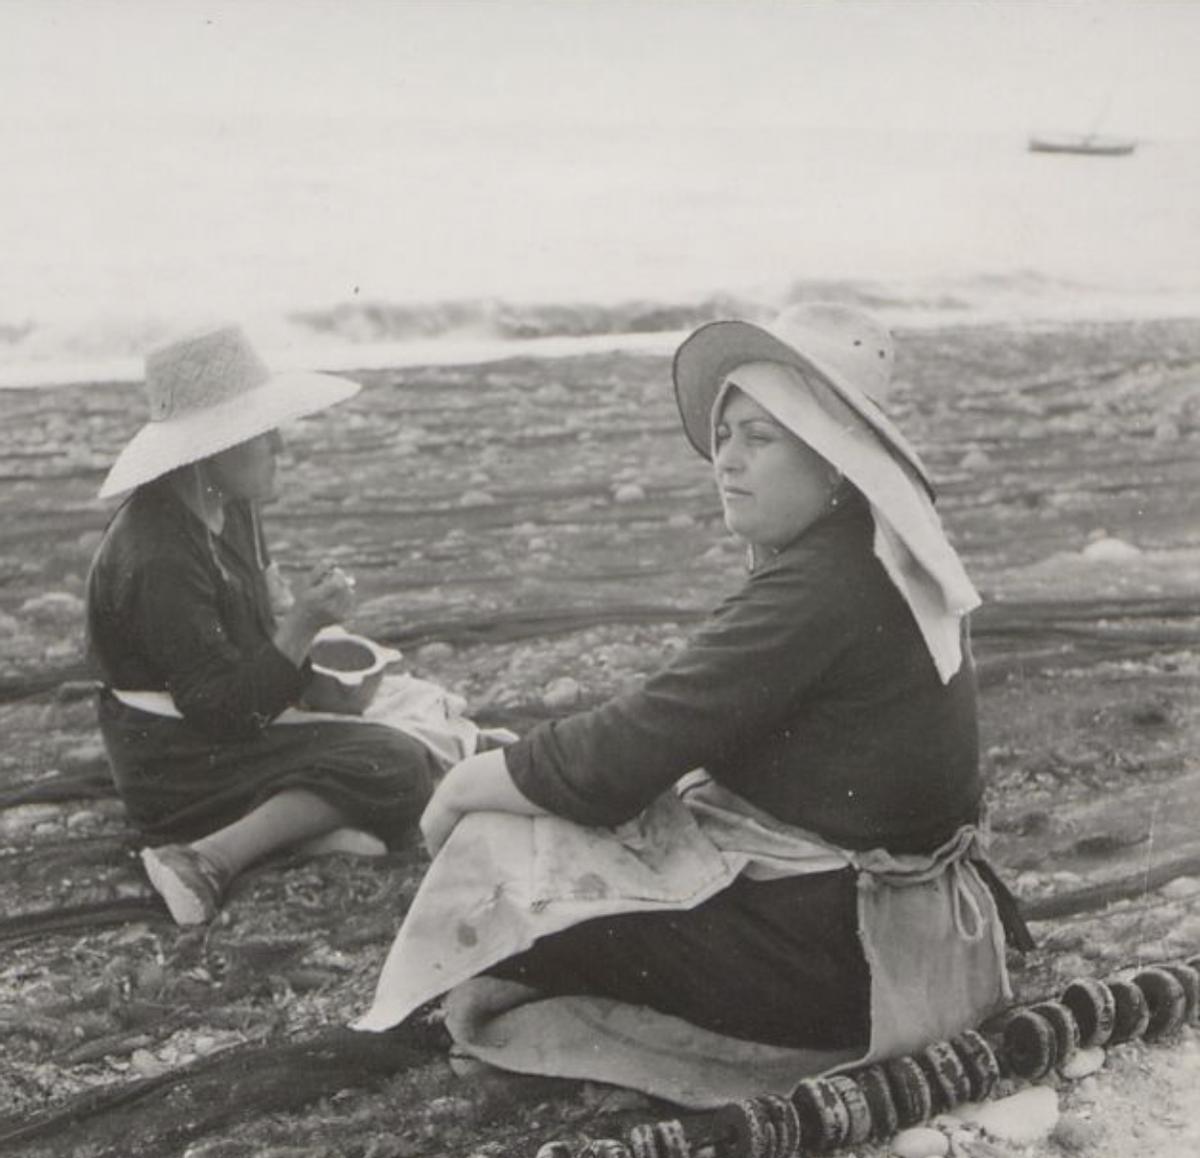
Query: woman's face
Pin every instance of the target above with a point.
(247, 471)
(773, 486)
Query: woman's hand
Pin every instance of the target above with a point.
(325, 597)
(438, 821)
(480, 783)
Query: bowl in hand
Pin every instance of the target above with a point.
(347, 670)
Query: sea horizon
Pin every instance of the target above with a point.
(342, 242)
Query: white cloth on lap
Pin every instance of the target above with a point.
(419, 708)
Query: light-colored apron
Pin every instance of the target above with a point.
(930, 930)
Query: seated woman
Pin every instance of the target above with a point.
(195, 661)
(816, 895)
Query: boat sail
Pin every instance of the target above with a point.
(1092, 143)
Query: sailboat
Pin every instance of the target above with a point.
(1091, 143)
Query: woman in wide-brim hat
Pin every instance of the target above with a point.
(815, 896)
(200, 645)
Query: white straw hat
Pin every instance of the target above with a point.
(846, 348)
(208, 393)
(821, 371)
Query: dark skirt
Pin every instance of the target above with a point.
(778, 962)
(179, 784)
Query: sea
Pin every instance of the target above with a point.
(356, 241)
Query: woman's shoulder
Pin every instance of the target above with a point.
(831, 570)
(147, 530)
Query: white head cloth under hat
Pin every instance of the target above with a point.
(832, 413)
(207, 393)
(846, 348)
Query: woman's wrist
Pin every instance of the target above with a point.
(295, 634)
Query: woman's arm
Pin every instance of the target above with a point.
(477, 784)
(736, 684)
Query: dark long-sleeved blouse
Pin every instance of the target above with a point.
(810, 693)
(172, 608)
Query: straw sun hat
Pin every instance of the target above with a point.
(844, 347)
(208, 393)
(822, 371)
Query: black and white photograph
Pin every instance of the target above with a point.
(599, 578)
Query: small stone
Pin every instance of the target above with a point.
(920, 1142)
(84, 818)
(434, 652)
(88, 541)
(82, 757)
(220, 1148)
(975, 459)
(449, 1108)
(563, 692)
(69, 691)
(1180, 888)
(150, 975)
(1083, 1062)
(146, 1063)
(1075, 1135)
(1166, 431)
(1024, 1117)
(54, 608)
(476, 498)
(1109, 550)
(628, 493)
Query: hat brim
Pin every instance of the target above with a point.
(709, 355)
(161, 447)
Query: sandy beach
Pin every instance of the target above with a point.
(515, 522)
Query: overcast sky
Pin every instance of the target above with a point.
(926, 65)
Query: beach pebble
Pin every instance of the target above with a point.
(628, 493)
(26, 816)
(476, 498)
(146, 1063)
(975, 459)
(85, 818)
(221, 1148)
(1024, 1117)
(1180, 888)
(434, 652)
(88, 541)
(1083, 1062)
(55, 608)
(1166, 431)
(563, 692)
(83, 756)
(920, 1142)
(8, 625)
(71, 691)
(1075, 1135)
(448, 1108)
(681, 520)
(1109, 550)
